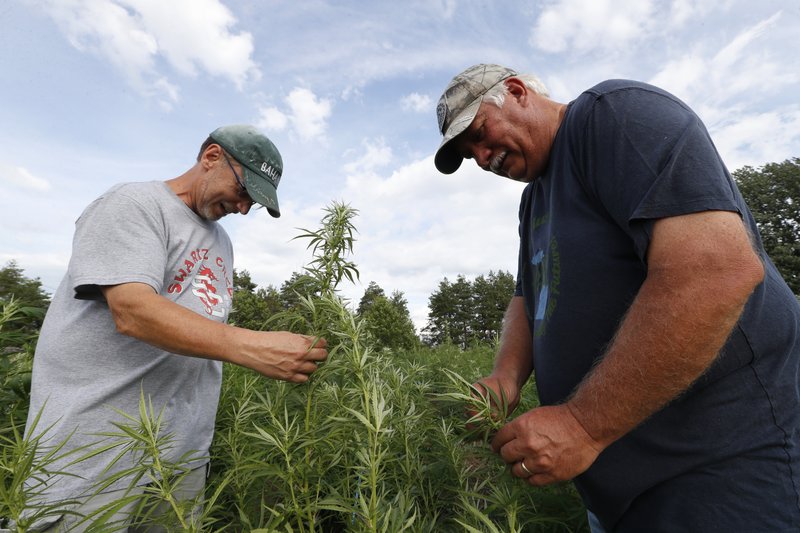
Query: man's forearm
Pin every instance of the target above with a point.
(151, 318)
(144, 315)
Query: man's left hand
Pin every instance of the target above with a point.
(549, 442)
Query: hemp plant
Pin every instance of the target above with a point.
(372, 442)
(487, 411)
(331, 245)
(16, 360)
(153, 494)
(26, 462)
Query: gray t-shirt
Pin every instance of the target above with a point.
(84, 369)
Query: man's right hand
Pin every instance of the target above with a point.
(280, 354)
(503, 395)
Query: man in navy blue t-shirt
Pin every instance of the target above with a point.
(665, 344)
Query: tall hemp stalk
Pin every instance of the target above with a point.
(334, 460)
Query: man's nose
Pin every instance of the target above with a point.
(482, 157)
(244, 206)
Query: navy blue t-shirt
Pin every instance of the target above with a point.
(724, 455)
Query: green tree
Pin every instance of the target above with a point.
(491, 295)
(450, 313)
(23, 303)
(773, 194)
(27, 293)
(441, 315)
(253, 306)
(387, 319)
(25, 290)
(466, 312)
(372, 293)
(399, 300)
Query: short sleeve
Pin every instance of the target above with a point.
(118, 239)
(647, 156)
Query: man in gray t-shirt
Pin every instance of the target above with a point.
(142, 310)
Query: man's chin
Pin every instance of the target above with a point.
(521, 179)
(211, 215)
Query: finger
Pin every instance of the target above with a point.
(317, 354)
(297, 378)
(307, 368)
(504, 435)
(520, 469)
(540, 480)
(480, 388)
(316, 342)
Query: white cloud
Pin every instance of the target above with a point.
(757, 138)
(583, 25)
(446, 7)
(734, 51)
(740, 67)
(376, 155)
(22, 178)
(167, 93)
(307, 114)
(133, 35)
(730, 86)
(419, 103)
(684, 11)
(194, 34)
(682, 75)
(272, 119)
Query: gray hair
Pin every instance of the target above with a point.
(497, 94)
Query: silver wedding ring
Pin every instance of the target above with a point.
(525, 468)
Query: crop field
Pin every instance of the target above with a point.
(376, 440)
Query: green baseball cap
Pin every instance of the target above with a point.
(458, 106)
(261, 162)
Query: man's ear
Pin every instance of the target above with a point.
(211, 155)
(517, 89)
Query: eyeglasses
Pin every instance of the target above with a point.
(242, 189)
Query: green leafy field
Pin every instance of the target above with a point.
(377, 440)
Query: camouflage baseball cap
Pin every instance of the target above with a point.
(261, 162)
(458, 106)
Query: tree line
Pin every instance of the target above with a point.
(462, 313)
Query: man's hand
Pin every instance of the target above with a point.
(503, 396)
(549, 442)
(281, 355)
(492, 402)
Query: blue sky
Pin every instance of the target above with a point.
(97, 92)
